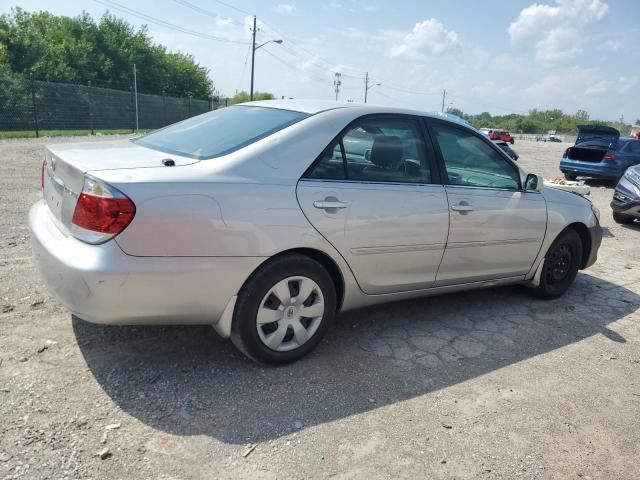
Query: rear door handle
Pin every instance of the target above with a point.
(329, 204)
(462, 208)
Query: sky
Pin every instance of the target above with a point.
(496, 56)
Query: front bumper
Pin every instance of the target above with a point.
(102, 284)
(626, 198)
(595, 233)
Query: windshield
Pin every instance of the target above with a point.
(220, 132)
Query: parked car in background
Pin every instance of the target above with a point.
(599, 152)
(495, 134)
(552, 139)
(507, 149)
(626, 197)
(265, 219)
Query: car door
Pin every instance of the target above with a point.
(374, 194)
(495, 228)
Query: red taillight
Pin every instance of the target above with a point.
(103, 214)
(44, 168)
(610, 157)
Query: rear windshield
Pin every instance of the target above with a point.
(221, 131)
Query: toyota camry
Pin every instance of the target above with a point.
(266, 219)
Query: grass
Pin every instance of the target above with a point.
(64, 133)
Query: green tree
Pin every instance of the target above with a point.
(242, 96)
(81, 50)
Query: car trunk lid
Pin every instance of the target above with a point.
(66, 165)
(597, 135)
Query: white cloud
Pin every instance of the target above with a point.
(284, 8)
(597, 88)
(223, 22)
(428, 37)
(556, 33)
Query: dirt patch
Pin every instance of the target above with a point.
(489, 384)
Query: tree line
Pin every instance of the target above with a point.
(100, 53)
(539, 121)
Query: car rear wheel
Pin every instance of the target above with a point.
(561, 265)
(568, 176)
(622, 219)
(284, 310)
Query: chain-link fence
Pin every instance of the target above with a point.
(38, 106)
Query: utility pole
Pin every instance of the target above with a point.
(337, 83)
(444, 94)
(366, 86)
(135, 88)
(253, 56)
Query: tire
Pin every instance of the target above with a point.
(569, 176)
(292, 335)
(561, 265)
(623, 219)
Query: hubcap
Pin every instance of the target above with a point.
(559, 264)
(290, 313)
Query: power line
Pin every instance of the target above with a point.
(203, 11)
(294, 67)
(233, 7)
(314, 61)
(244, 67)
(171, 26)
(323, 64)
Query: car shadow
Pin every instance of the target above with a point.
(598, 182)
(633, 226)
(188, 381)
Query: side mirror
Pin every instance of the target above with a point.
(533, 183)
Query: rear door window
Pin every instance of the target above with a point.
(377, 150)
(633, 147)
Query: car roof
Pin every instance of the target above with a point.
(318, 106)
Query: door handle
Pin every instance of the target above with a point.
(462, 208)
(329, 204)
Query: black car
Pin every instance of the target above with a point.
(626, 198)
(507, 149)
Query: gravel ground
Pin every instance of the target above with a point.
(487, 384)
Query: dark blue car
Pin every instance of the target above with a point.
(599, 152)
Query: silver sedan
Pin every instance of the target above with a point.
(266, 219)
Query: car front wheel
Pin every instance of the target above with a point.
(561, 265)
(284, 310)
(568, 176)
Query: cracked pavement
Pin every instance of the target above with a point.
(488, 384)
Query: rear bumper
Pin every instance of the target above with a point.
(102, 284)
(590, 169)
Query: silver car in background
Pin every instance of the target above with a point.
(266, 219)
